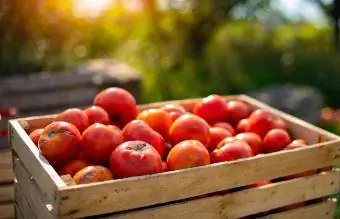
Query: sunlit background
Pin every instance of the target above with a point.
(199, 46)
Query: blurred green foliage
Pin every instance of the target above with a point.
(198, 50)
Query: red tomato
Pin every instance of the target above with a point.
(187, 154)
(99, 141)
(189, 127)
(140, 130)
(97, 114)
(260, 122)
(92, 174)
(281, 124)
(242, 125)
(252, 139)
(59, 142)
(226, 126)
(74, 166)
(216, 136)
(135, 158)
(119, 104)
(212, 109)
(74, 116)
(158, 119)
(275, 140)
(174, 110)
(237, 110)
(35, 135)
(297, 143)
(232, 150)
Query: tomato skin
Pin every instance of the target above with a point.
(59, 142)
(252, 139)
(135, 158)
(297, 143)
(174, 110)
(216, 136)
(92, 174)
(140, 130)
(212, 109)
(275, 140)
(75, 116)
(74, 166)
(237, 110)
(187, 154)
(232, 150)
(97, 114)
(189, 127)
(98, 141)
(260, 122)
(35, 135)
(226, 126)
(158, 119)
(242, 126)
(281, 124)
(119, 104)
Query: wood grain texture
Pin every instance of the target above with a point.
(6, 172)
(7, 211)
(154, 189)
(246, 202)
(322, 210)
(7, 193)
(27, 187)
(44, 174)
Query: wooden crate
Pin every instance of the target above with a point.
(51, 92)
(41, 193)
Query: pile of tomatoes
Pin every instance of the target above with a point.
(114, 139)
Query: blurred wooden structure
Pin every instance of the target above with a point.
(49, 93)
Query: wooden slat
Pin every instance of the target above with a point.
(6, 192)
(6, 173)
(17, 212)
(23, 205)
(246, 202)
(154, 189)
(322, 210)
(28, 188)
(46, 177)
(53, 99)
(47, 81)
(7, 211)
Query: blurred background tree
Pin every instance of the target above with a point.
(185, 48)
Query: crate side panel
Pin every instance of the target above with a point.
(245, 202)
(154, 189)
(44, 174)
(322, 210)
(27, 187)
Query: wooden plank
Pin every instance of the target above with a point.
(50, 81)
(44, 174)
(23, 204)
(142, 191)
(28, 188)
(322, 210)
(6, 158)
(298, 127)
(53, 99)
(246, 202)
(17, 213)
(7, 211)
(6, 192)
